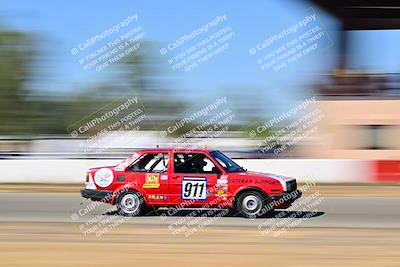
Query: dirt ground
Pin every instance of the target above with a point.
(63, 244)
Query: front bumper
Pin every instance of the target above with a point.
(97, 195)
(286, 198)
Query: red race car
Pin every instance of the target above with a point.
(196, 178)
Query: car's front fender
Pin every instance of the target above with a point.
(127, 187)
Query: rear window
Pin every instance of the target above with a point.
(152, 162)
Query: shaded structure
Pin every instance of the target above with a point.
(360, 15)
(361, 109)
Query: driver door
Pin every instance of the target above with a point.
(193, 177)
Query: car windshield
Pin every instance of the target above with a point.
(228, 164)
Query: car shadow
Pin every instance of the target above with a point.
(276, 214)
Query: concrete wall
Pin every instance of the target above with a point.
(73, 171)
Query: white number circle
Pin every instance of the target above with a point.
(103, 177)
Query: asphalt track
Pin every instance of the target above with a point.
(63, 229)
(327, 212)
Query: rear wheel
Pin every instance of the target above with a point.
(130, 203)
(250, 204)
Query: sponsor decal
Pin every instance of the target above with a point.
(157, 197)
(221, 192)
(152, 180)
(242, 180)
(164, 177)
(222, 187)
(103, 177)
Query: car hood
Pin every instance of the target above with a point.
(266, 175)
(271, 175)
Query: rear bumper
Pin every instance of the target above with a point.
(286, 198)
(97, 195)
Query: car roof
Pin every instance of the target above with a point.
(179, 150)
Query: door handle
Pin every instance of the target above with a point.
(175, 177)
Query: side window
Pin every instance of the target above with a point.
(151, 163)
(193, 163)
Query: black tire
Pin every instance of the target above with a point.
(130, 203)
(251, 204)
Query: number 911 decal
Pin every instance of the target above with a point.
(194, 188)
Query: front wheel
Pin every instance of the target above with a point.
(130, 203)
(251, 204)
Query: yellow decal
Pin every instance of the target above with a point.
(221, 192)
(152, 181)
